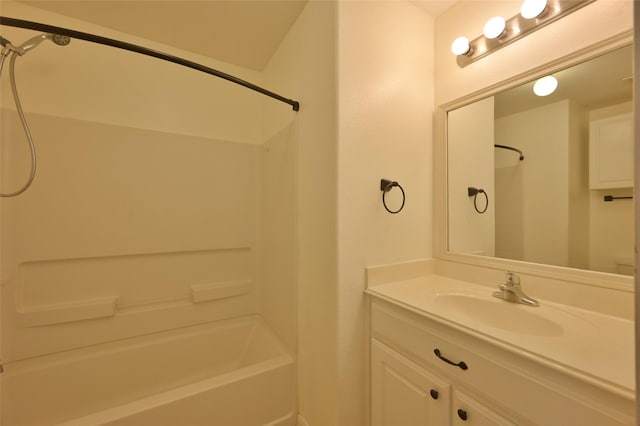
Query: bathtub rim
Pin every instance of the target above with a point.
(153, 401)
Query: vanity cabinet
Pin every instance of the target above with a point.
(473, 381)
(405, 394)
(611, 152)
(468, 411)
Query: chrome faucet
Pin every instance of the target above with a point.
(511, 291)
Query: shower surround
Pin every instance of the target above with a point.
(148, 273)
(133, 272)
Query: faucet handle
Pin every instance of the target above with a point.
(512, 279)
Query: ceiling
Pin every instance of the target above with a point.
(434, 8)
(240, 32)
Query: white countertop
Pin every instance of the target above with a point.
(591, 345)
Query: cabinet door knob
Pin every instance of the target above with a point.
(434, 393)
(462, 414)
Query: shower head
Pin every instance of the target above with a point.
(58, 39)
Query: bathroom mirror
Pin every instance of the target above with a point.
(528, 176)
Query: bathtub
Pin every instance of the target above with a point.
(227, 373)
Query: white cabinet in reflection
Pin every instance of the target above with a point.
(611, 152)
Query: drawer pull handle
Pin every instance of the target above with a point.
(434, 394)
(460, 364)
(462, 414)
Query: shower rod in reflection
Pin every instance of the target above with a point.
(511, 149)
(12, 22)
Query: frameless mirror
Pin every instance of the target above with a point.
(547, 179)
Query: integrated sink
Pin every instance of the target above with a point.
(576, 339)
(498, 314)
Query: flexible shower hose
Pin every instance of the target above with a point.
(23, 120)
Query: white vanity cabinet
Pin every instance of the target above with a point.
(468, 411)
(412, 385)
(405, 394)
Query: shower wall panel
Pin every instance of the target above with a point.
(544, 177)
(124, 232)
(278, 207)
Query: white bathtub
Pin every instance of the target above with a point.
(228, 373)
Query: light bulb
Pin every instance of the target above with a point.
(532, 8)
(494, 27)
(460, 46)
(545, 86)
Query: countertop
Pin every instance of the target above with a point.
(592, 345)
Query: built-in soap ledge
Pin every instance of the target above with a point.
(67, 312)
(214, 291)
(35, 316)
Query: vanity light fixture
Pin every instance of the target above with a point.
(534, 14)
(494, 28)
(533, 8)
(545, 86)
(460, 46)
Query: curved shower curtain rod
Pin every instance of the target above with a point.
(12, 22)
(511, 149)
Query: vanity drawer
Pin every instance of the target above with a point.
(521, 389)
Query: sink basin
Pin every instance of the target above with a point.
(498, 314)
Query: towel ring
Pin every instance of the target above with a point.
(473, 192)
(387, 185)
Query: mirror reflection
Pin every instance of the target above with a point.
(547, 178)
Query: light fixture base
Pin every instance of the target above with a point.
(517, 27)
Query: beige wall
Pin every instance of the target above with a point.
(471, 164)
(544, 197)
(304, 67)
(385, 89)
(384, 111)
(384, 78)
(545, 179)
(509, 195)
(636, 117)
(578, 186)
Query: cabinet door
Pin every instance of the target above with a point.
(611, 153)
(468, 411)
(404, 394)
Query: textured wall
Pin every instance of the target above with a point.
(385, 113)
